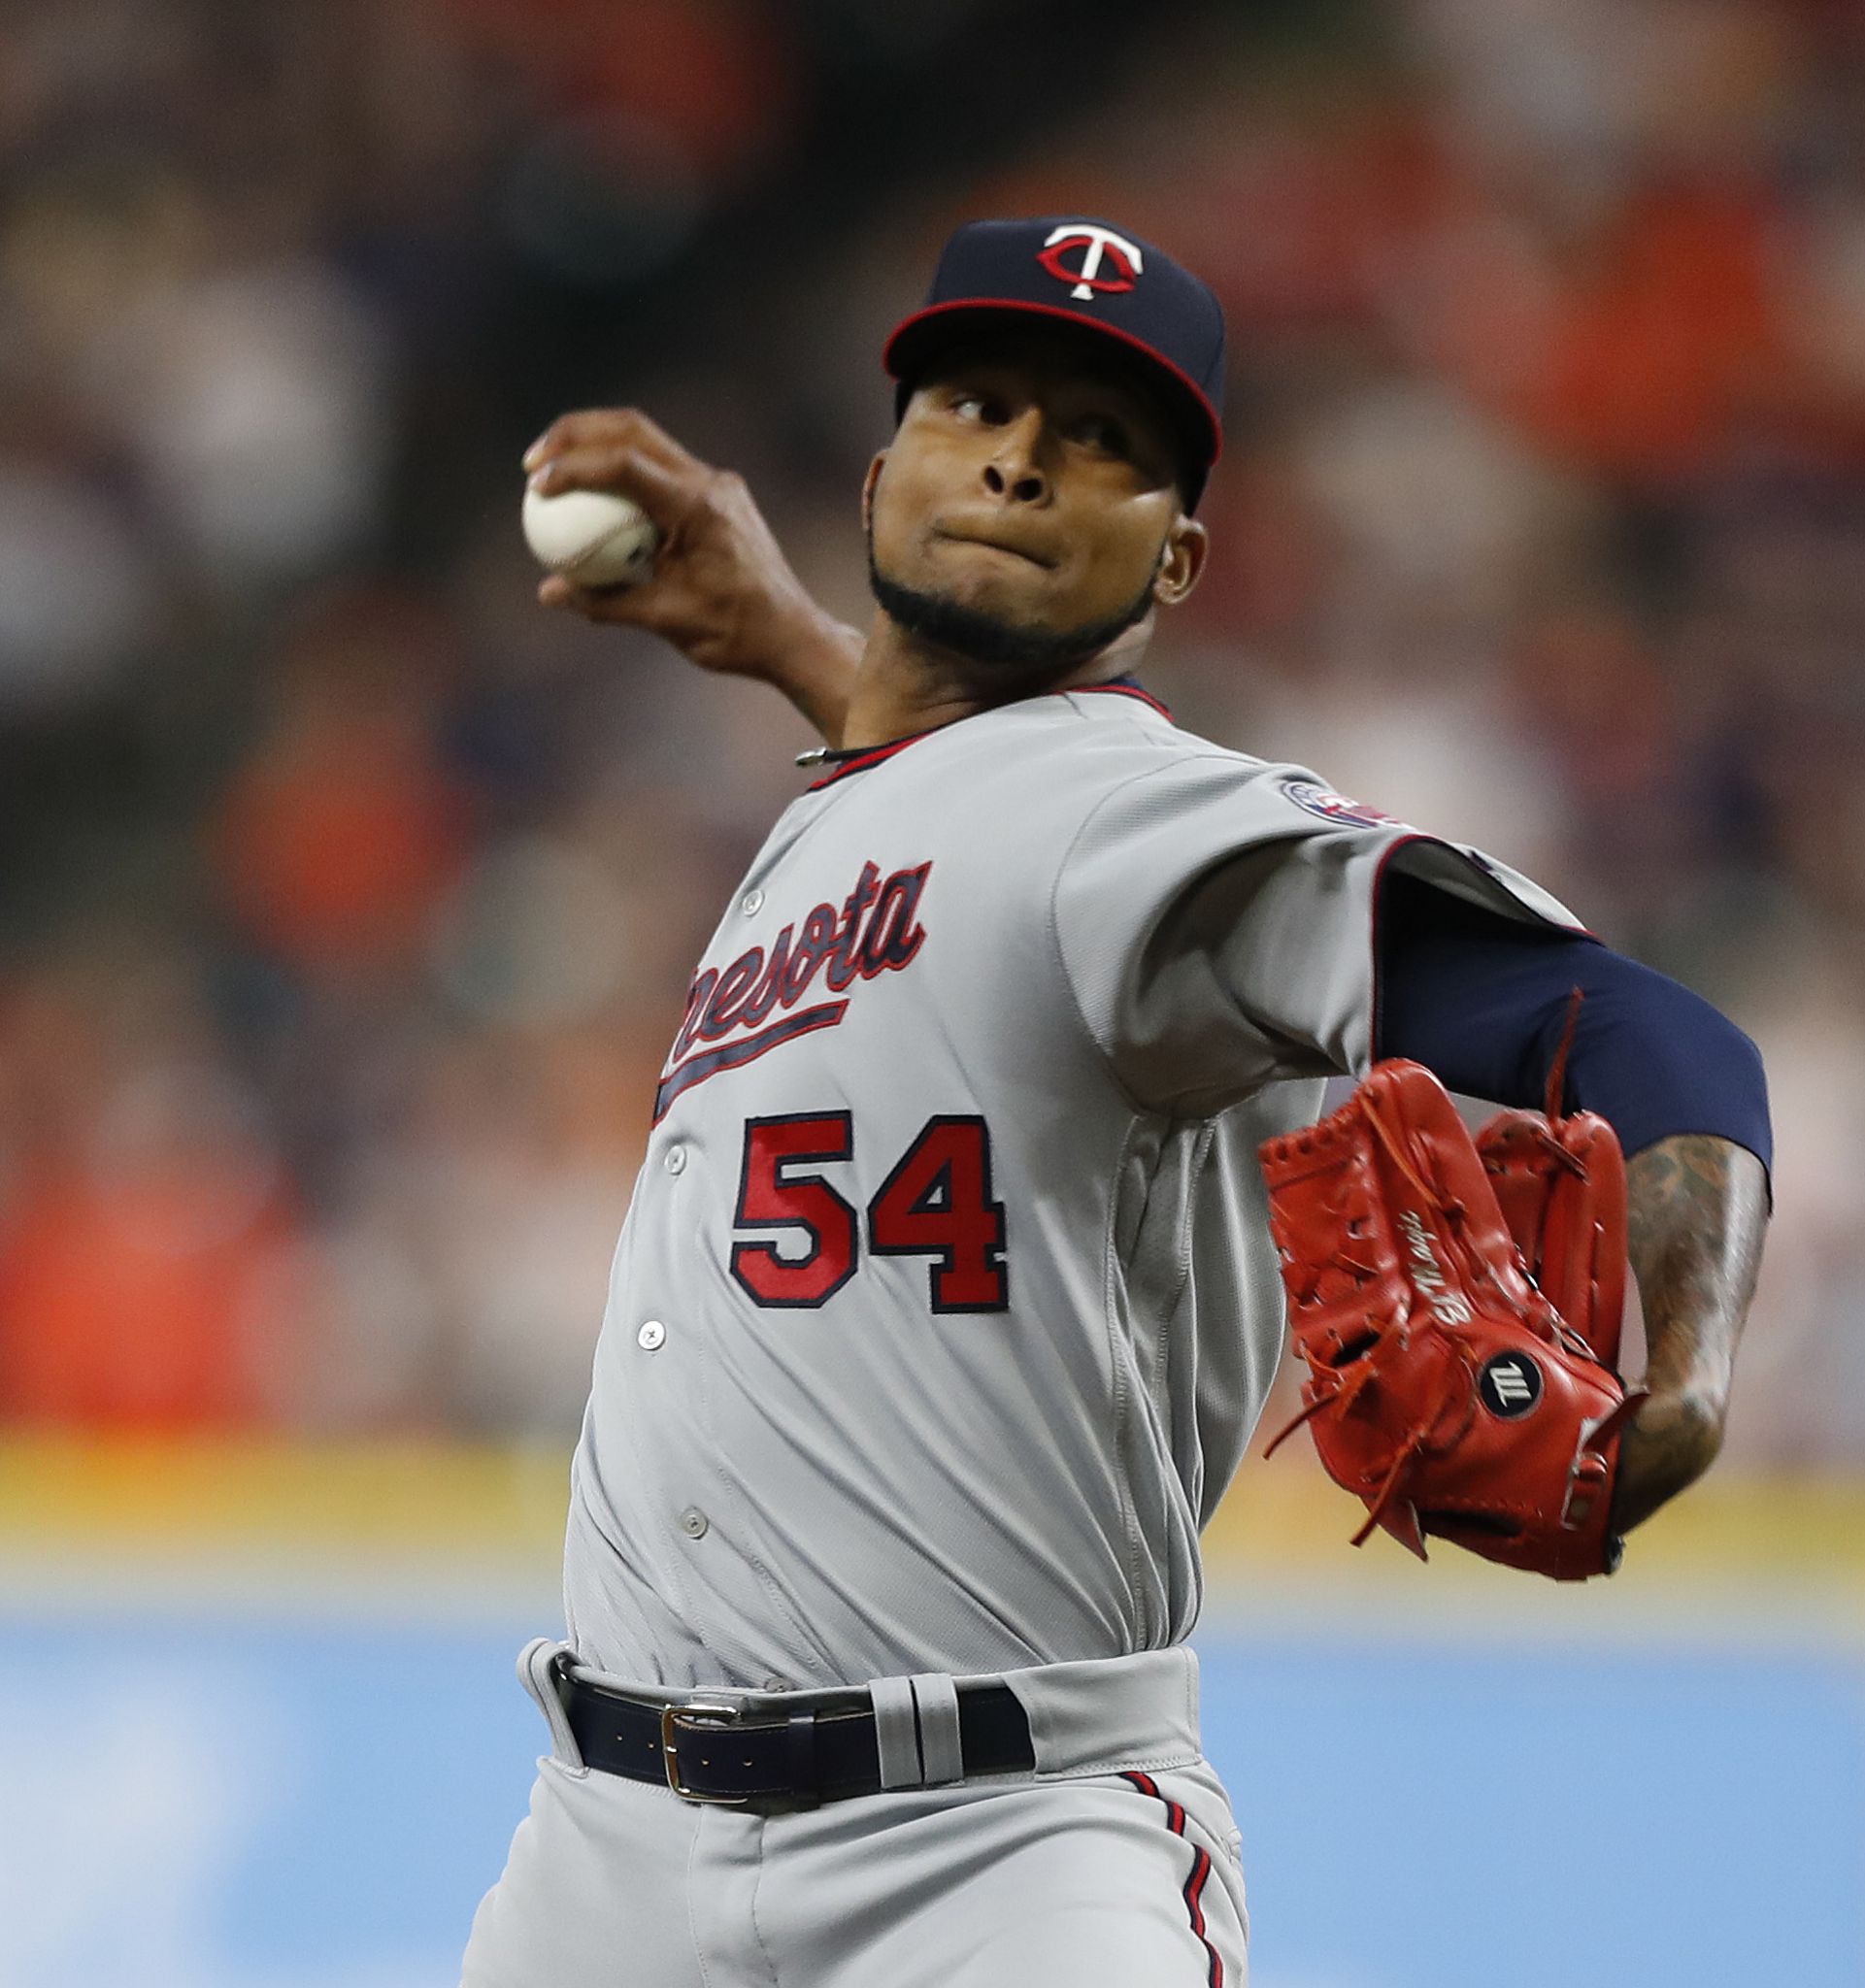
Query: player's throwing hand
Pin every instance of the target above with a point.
(723, 592)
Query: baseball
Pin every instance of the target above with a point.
(591, 537)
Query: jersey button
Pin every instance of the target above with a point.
(752, 903)
(694, 1522)
(675, 1159)
(652, 1337)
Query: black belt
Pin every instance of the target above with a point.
(709, 1751)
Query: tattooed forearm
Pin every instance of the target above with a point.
(1696, 1217)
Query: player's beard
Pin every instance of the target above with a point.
(1006, 648)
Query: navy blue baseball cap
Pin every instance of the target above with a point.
(1091, 274)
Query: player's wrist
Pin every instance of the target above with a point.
(804, 652)
(1671, 1442)
(1688, 1419)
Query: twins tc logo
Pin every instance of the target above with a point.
(1097, 245)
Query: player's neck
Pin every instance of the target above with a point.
(905, 686)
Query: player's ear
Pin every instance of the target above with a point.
(868, 483)
(1180, 562)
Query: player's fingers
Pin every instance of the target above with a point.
(559, 590)
(619, 427)
(665, 494)
(639, 605)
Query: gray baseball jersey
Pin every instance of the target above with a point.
(945, 1304)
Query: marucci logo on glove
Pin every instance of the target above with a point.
(1510, 1385)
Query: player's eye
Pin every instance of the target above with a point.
(976, 406)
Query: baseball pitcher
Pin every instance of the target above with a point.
(954, 1282)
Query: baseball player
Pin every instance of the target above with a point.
(946, 1303)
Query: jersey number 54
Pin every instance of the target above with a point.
(936, 1203)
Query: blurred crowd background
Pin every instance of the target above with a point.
(348, 898)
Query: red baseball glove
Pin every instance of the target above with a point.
(1457, 1305)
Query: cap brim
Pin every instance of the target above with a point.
(915, 337)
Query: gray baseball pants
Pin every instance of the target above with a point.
(1114, 1864)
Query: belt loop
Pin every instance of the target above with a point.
(895, 1733)
(806, 1778)
(935, 1699)
(541, 1671)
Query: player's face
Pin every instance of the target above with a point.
(1031, 492)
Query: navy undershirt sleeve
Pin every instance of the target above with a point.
(1482, 1000)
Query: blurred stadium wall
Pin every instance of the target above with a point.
(347, 900)
(258, 1727)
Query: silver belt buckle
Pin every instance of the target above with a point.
(669, 1715)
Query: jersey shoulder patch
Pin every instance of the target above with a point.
(1322, 801)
